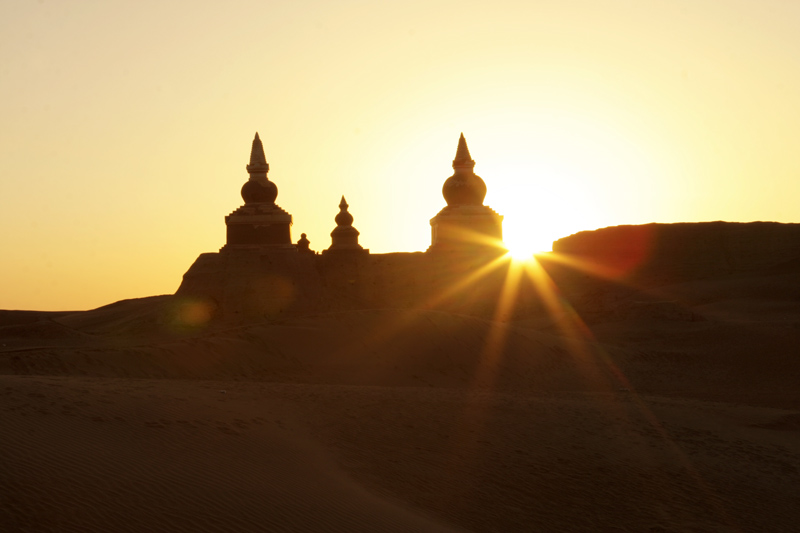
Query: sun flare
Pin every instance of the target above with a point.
(523, 249)
(522, 241)
(520, 253)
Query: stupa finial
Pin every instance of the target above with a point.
(258, 161)
(464, 187)
(344, 218)
(258, 189)
(463, 159)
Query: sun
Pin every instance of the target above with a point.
(522, 241)
(520, 254)
(531, 227)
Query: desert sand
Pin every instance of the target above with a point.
(675, 412)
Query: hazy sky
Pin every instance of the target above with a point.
(125, 127)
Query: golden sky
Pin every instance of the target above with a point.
(125, 127)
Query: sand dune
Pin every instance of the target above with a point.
(159, 456)
(139, 454)
(658, 402)
(721, 349)
(371, 347)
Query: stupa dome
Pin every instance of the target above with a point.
(258, 189)
(343, 218)
(256, 192)
(464, 187)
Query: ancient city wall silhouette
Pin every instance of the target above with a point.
(261, 272)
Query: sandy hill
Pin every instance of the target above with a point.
(661, 396)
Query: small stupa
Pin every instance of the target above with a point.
(259, 223)
(344, 237)
(304, 245)
(465, 224)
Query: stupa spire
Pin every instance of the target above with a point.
(258, 189)
(344, 218)
(464, 187)
(258, 161)
(463, 159)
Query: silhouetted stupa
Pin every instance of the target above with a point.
(259, 222)
(344, 237)
(465, 224)
(304, 245)
(260, 273)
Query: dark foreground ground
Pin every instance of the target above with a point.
(660, 401)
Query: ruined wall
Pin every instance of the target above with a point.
(251, 284)
(602, 266)
(683, 251)
(242, 284)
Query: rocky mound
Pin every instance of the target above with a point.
(678, 252)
